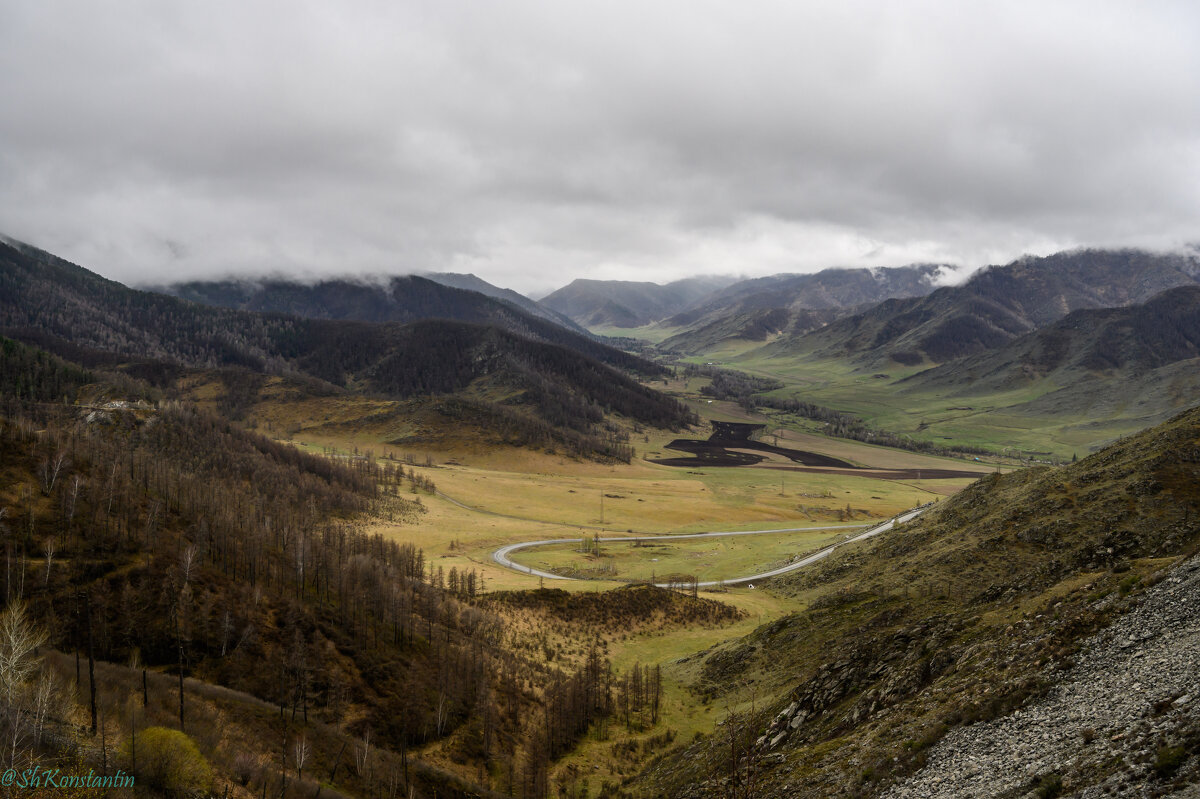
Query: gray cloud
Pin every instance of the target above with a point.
(536, 142)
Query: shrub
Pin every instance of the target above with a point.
(170, 761)
(1049, 786)
(1126, 585)
(1168, 760)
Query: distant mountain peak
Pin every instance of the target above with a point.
(628, 303)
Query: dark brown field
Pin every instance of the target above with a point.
(720, 449)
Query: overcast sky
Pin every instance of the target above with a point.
(532, 143)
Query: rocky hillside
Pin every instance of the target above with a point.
(1125, 719)
(968, 614)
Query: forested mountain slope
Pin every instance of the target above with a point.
(177, 540)
(94, 321)
(406, 298)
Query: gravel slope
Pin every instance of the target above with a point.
(1134, 690)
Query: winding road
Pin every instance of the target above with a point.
(502, 554)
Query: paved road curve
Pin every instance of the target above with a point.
(502, 554)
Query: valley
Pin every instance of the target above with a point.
(487, 498)
(513, 558)
(593, 400)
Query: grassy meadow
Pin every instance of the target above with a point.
(1005, 422)
(707, 559)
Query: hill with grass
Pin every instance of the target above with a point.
(996, 306)
(1091, 373)
(972, 612)
(623, 303)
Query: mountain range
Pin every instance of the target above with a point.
(1031, 338)
(996, 305)
(791, 305)
(399, 298)
(405, 298)
(1124, 342)
(469, 282)
(899, 315)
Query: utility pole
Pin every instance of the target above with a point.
(602, 506)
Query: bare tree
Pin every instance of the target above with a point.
(443, 712)
(48, 550)
(362, 753)
(46, 696)
(226, 631)
(300, 752)
(7, 554)
(19, 641)
(187, 560)
(49, 470)
(72, 499)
